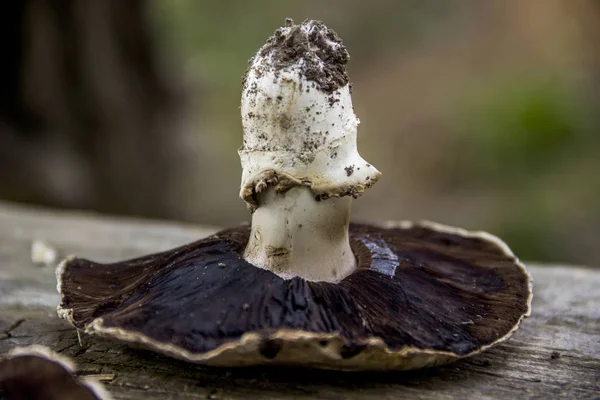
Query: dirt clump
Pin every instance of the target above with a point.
(321, 49)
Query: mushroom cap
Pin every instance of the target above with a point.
(36, 372)
(423, 295)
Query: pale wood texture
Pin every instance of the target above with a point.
(555, 353)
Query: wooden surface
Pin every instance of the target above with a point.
(555, 353)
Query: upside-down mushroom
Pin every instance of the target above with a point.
(303, 285)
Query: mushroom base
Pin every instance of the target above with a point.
(421, 295)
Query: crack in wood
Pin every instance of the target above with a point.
(8, 331)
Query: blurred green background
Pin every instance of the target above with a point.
(481, 114)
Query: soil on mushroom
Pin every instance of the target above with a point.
(324, 55)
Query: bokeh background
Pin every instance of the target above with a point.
(482, 114)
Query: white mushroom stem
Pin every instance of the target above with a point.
(301, 166)
(295, 235)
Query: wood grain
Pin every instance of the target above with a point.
(555, 353)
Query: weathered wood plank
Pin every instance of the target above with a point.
(555, 354)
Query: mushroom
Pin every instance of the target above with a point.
(302, 285)
(36, 372)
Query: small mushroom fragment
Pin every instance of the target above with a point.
(36, 373)
(303, 286)
(43, 254)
